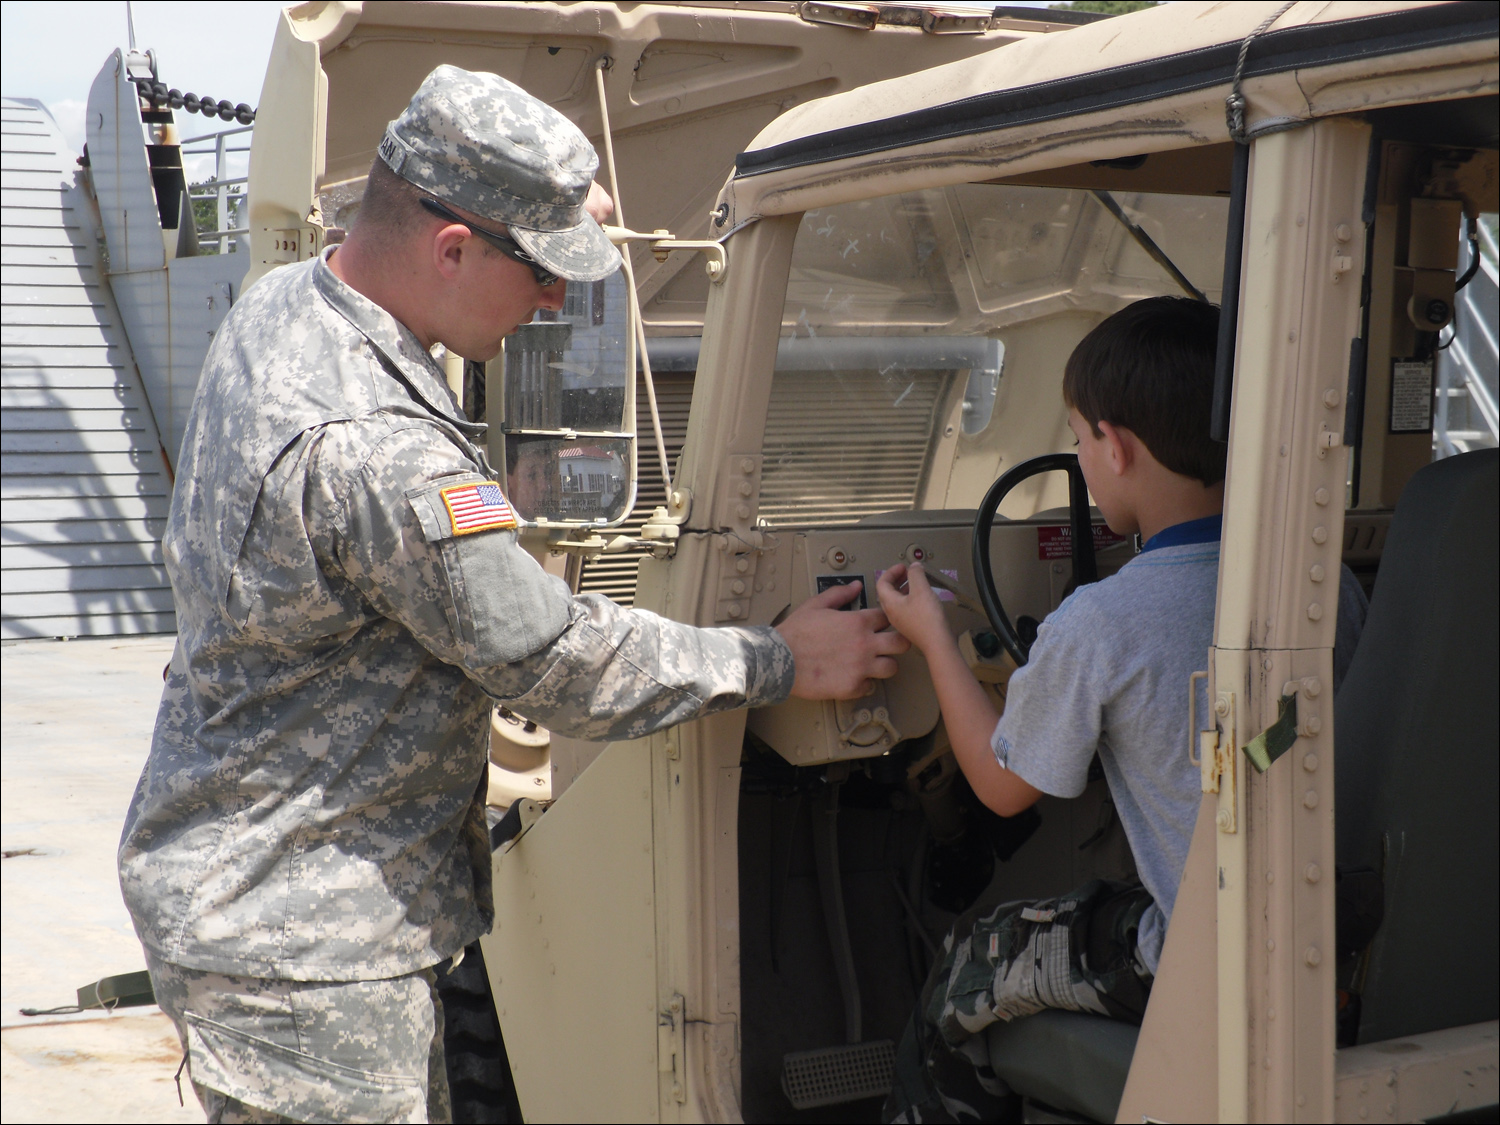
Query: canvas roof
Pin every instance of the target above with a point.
(1147, 82)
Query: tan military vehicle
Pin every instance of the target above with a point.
(833, 356)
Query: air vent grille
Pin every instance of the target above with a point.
(841, 445)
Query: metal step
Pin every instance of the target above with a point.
(835, 1075)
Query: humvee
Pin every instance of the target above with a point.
(852, 337)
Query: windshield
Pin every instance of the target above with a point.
(924, 336)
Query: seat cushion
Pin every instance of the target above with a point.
(1069, 1060)
(1417, 726)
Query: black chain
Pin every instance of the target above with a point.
(158, 96)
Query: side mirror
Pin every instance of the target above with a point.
(562, 418)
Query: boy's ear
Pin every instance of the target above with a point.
(1120, 447)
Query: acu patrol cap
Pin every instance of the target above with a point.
(476, 141)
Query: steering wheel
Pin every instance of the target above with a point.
(1085, 566)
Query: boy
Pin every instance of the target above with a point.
(1108, 675)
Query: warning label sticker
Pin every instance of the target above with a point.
(1411, 396)
(1057, 542)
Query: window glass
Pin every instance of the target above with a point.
(897, 312)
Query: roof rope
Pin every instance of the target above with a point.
(1234, 104)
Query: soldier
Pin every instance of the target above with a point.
(308, 838)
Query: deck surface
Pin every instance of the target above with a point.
(75, 725)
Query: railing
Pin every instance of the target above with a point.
(222, 188)
(1467, 416)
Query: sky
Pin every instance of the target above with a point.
(215, 47)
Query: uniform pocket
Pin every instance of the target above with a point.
(296, 1085)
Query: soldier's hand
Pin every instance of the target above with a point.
(838, 652)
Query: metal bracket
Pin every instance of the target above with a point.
(1225, 764)
(287, 244)
(1193, 731)
(589, 547)
(663, 242)
(659, 536)
(679, 506)
(670, 1045)
(518, 821)
(1208, 760)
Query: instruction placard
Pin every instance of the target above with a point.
(1057, 542)
(1411, 396)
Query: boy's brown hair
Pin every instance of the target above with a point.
(1150, 369)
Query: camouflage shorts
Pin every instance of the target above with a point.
(1076, 952)
(274, 1051)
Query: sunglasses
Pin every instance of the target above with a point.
(503, 243)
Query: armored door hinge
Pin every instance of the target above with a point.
(741, 544)
(741, 496)
(670, 1042)
(737, 581)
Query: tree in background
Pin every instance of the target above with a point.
(206, 216)
(205, 213)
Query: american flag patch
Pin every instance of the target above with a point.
(477, 506)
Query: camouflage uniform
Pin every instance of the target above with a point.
(268, 1051)
(1077, 952)
(312, 809)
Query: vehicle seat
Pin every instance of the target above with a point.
(1418, 731)
(1418, 736)
(1071, 1061)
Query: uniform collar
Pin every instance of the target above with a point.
(396, 342)
(1209, 529)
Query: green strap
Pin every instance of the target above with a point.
(127, 990)
(1277, 738)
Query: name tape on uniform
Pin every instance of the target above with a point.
(477, 506)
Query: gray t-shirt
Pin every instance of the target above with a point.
(1109, 673)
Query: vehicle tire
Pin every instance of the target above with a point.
(479, 1081)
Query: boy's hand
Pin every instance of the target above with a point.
(915, 611)
(838, 652)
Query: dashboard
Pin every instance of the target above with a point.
(1033, 572)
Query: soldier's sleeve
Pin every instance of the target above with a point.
(410, 528)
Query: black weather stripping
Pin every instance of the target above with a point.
(1274, 52)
